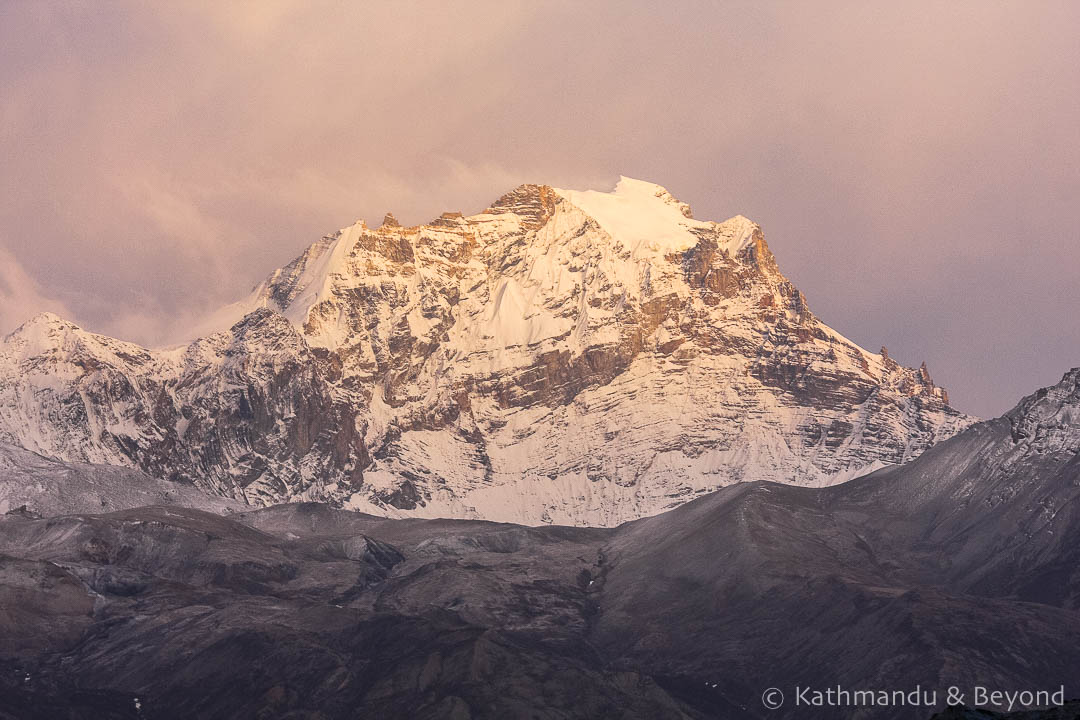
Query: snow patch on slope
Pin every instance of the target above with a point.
(644, 217)
(311, 281)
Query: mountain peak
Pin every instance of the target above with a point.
(1051, 416)
(42, 325)
(628, 184)
(643, 216)
(47, 318)
(534, 204)
(566, 356)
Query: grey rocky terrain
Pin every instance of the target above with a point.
(958, 568)
(43, 486)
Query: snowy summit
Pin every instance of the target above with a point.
(564, 356)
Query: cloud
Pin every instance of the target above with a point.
(21, 297)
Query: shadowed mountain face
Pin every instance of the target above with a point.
(44, 486)
(957, 569)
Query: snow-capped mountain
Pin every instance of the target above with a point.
(564, 356)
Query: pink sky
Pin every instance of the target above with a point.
(915, 167)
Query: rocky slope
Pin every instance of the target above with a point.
(999, 501)
(302, 610)
(959, 568)
(38, 486)
(249, 413)
(563, 356)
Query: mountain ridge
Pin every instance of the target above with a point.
(564, 356)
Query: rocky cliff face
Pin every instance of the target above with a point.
(563, 356)
(248, 413)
